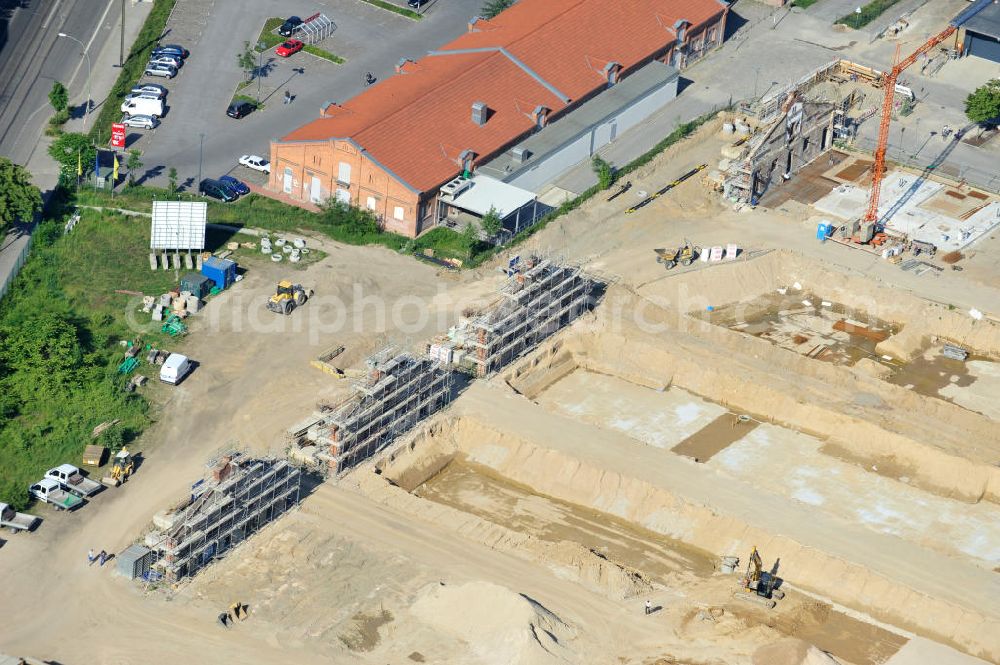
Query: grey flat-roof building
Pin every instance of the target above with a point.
(982, 29)
(550, 152)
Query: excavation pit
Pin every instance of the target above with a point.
(972, 384)
(808, 325)
(780, 461)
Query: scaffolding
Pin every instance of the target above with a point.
(239, 495)
(398, 391)
(535, 302)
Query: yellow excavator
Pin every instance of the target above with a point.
(287, 297)
(122, 466)
(758, 585)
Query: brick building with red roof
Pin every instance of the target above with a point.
(391, 148)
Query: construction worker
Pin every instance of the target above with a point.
(649, 607)
(103, 556)
(91, 556)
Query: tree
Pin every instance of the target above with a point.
(58, 97)
(247, 61)
(348, 219)
(491, 223)
(469, 236)
(73, 150)
(133, 164)
(983, 105)
(19, 198)
(172, 180)
(494, 7)
(603, 170)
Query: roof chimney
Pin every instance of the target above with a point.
(480, 112)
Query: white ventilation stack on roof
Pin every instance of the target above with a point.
(480, 111)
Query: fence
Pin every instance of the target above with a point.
(15, 267)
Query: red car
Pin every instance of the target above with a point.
(288, 48)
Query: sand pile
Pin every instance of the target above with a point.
(499, 626)
(791, 652)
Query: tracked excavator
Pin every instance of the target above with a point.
(759, 586)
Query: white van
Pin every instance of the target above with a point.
(174, 368)
(143, 106)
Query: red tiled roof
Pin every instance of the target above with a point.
(416, 123)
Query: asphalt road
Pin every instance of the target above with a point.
(32, 56)
(371, 39)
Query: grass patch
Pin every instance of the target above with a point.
(59, 330)
(804, 3)
(268, 37)
(402, 11)
(320, 53)
(868, 13)
(132, 69)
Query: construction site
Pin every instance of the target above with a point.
(778, 447)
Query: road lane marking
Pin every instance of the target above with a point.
(52, 11)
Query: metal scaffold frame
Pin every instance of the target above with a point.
(240, 495)
(536, 303)
(399, 391)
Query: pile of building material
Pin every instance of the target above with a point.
(537, 300)
(240, 495)
(398, 391)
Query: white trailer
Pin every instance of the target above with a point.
(14, 520)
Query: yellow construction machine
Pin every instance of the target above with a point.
(758, 585)
(671, 256)
(122, 466)
(287, 297)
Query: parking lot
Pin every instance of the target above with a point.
(196, 137)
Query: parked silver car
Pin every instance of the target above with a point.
(161, 70)
(153, 89)
(171, 60)
(140, 121)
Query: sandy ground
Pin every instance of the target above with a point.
(509, 568)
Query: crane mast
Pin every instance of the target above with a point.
(889, 83)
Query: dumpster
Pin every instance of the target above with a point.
(220, 271)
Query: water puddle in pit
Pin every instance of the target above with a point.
(801, 322)
(715, 437)
(480, 491)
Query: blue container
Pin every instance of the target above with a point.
(220, 271)
(823, 230)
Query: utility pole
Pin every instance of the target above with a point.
(121, 48)
(260, 54)
(201, 145)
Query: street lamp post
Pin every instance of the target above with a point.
(260, 55)
(87, 55)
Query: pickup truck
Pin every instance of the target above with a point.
(14, 520)
(73, 481)
(47, 490)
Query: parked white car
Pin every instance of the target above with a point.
(161, 70)
(141, 121)
(256, 163)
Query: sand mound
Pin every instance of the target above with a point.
(499, 625)
(791, 652)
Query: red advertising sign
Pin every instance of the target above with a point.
(117, 135)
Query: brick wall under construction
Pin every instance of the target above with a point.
(240, 495)
(399, 391)
(536, 301)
